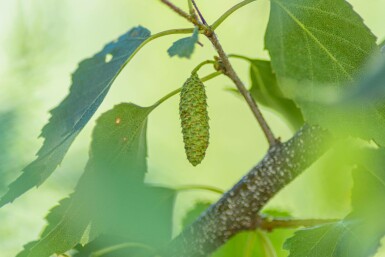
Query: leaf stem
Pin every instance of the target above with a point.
(266, 243)
(199, 187)
(190, 7)
(177, 91)
(224, 16)
(197, 68)
(158, 35)
(229, 71)
(119, 247)
(237, 56)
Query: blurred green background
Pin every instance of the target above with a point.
(41, 43)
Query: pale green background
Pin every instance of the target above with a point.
(43, 40)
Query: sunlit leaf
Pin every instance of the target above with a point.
(184, 47)
(317, 49)
(90, 84)
(317, 41)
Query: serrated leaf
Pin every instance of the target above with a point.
(184, 47)
(111, 195)
(317, 41)
(90, 84)
(359, 234)
(265, 90)
(317, 49)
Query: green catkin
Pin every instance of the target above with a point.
(194, 119)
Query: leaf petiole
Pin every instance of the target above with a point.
(199, 187)
(177, 91)
(158, 35)
(224, 16)
(197, 68)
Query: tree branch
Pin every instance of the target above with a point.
(237, 210)
(230, 72)
(199, 12)
(269, 224)
(228, 69)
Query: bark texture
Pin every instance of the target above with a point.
(237, 210)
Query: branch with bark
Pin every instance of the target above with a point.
(238, 209)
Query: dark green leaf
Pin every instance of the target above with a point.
(265, 90)
(90, 84)
(184, 47)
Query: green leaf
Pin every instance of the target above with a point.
(359, 234)
(8, 121)
(361, 109)
(265, 90)
(317, 41)
(317, 48)
(111, 196)
(316, 242)
(245, 244)
(184, 47)
(90, 84)
(120, 141)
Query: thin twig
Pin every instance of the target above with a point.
(192, 10)
(224, 16)
(182, 13)
(199, 12)
(269, 224)
(230, 72)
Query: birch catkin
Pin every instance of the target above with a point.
(194, 119)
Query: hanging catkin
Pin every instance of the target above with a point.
(194, 119)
